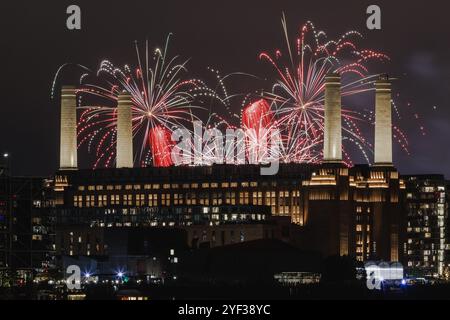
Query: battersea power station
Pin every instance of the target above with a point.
(329, 208)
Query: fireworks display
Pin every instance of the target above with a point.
(257, 121)
(165, 98)
(161, 146)
(297, 97)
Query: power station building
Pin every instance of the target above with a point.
(329, 208)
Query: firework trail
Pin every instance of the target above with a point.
(297, 97)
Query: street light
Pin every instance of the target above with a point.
(5, 155)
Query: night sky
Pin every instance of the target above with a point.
(228, 35)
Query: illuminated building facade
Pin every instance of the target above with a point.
(216, 206)
(427, 225)
(355, 211)
(337, 210)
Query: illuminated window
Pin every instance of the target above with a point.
(244, 198)
(225, 185)
(128, 187)
(36, 237)
(102, 200)
(140, 200)
(234, 185)
(245, 184)
(253, 184)
(91, 188)
(166, 186)
(81, 188)
(156, 186)
(137, 187)
(90, 201)
(165, 199)
(147, 186)
(194, 185)
(153, 200)
(191, 199)
(205, 185)
(214, 185)
(127, 200)
(178, 199)
(78, 201)
(99, 188)
(358, 228)
(204, 199)
(109, 187)
(216, 199)
(258, 198)
(118, 187)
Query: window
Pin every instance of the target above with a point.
(216, 199)
(90, 201)
(258, 198)
(115, 200)
(243, 198)
(165, 199)
(102, 200)
(191, 199)
(78, 201)
(178, 199)
(153, 200)
(140, 200)
(127, 199)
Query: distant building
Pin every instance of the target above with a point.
(427, 225)
(26, 228)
